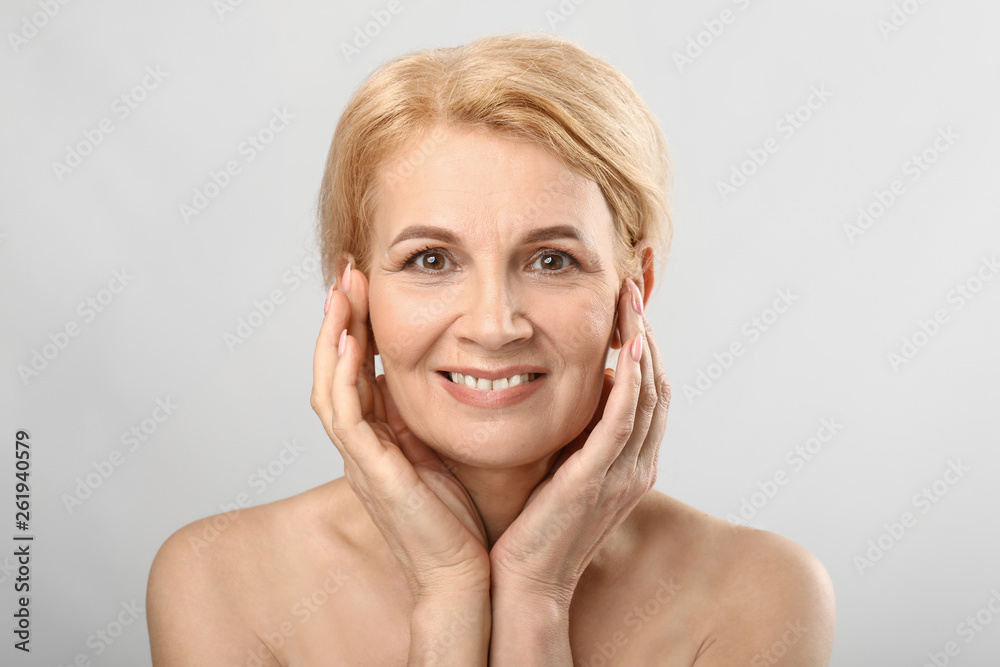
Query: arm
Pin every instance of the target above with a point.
(450, 630)
(529, 629)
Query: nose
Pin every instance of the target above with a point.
(491, 316)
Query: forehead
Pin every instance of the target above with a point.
(480, 183)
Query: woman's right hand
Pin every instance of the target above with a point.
(423, 511)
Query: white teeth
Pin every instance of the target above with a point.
(491, 385)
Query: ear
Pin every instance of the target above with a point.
(644, 281)
(647, 279)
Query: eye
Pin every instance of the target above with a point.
(430, 260)
(436, 260)
(554, 261)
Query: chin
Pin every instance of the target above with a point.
(498, 445)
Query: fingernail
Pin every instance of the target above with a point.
(637, 348)
(346, 282)
(636, 297)
(329, 295)
(343, 343)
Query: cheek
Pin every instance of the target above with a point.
(585, 326)
(406, 322)
(396, 323)
(400, 325)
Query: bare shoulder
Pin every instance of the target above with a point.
(783, 595)
(215, 582)
(773, 597)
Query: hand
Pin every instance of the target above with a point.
(598, 478)
(425, 514)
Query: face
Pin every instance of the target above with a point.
(491, 259)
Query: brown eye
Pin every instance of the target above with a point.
(552, 262)
(427, 260)
(431, 260)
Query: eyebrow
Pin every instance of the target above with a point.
(535, 236)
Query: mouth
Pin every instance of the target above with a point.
(485, 384)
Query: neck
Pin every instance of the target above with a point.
(501, 493)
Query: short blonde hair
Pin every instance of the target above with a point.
(528, 86)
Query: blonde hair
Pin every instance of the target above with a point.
(528, 86)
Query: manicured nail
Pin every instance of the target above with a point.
(343, 343)
(637, 348)
(329, 295)
(346, 282)
(636, 297)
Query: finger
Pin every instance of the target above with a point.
(325, 360)
(355, 285)
(325, 357)
(649, 454)
(614, 429)
(348, 423)
(647, 401)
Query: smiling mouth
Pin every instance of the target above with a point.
(491, 385)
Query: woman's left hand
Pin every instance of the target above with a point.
(597, 479)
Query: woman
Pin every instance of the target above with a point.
(492, 212)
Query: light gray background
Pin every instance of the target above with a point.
(162, 336)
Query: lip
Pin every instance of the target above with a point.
(500, 398)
